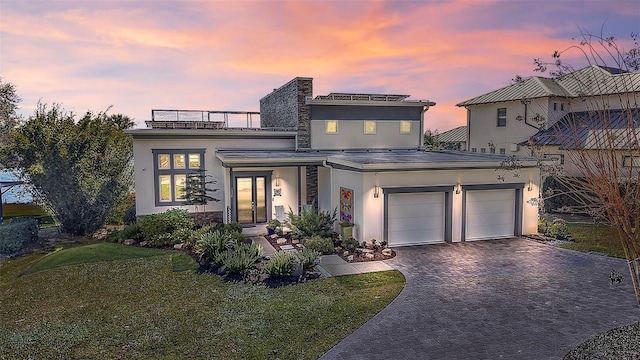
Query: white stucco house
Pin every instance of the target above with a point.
(359, 153)
(503, 121)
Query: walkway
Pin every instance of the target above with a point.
(500, 299)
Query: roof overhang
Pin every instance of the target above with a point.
(230, 133)
(405, 103)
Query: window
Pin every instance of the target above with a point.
(557, 157)
(172, 169)
(555, 106)
(331, 127)
(474, 150)
(369, 127)
(631, 161)
(483, 150)
(562, 106)
(502, 151)
(502, 117)
(405, 127)
(492, 150)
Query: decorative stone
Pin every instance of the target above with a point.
(281, 241)
(295, 241)
(129, 242)
(274, 236)
(178, 246)
(367, 251)
(369, 255)
(346, 253)
(350, 258)
(144, 243)
(387, 252)
(298, 270)
(287, 247)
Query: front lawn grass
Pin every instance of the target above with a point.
(141, 309)
(593, 237)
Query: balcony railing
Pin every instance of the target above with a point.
(203, 119)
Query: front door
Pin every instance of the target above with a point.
(251, 199)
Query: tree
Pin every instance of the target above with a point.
(197, 190)
(79, 168)
(8, 105)
(607, 154)
(430, 139)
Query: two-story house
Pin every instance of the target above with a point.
(359, 153)
(537, 108)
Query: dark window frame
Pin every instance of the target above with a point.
(501, 120)
(172, 171)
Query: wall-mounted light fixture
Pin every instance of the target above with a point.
(277, 180)
(458, 188)
(376, 191)
(530, 185)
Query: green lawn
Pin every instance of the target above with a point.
(591, 237)
(140, 308)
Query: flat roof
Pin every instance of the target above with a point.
(371, 160)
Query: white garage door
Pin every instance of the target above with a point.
(490, 214)
(415, 218)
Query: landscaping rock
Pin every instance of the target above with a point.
(275, 236)
(144, 243)
(295, 241)
(129, 242)
(369, 255)
(350, 258)
(281, 241)
(346, 253)
(387, 252)
(366, 251)
(178, 246)
(298, 270)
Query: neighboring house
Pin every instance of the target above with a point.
(454, 139)
(503, 121)
(358, 153)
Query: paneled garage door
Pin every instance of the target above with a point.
(490, 214)
(416, 218)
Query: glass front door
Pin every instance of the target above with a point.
(251, 195)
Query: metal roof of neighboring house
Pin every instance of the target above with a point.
(458, 134)
(617, 129)
(373, 160)
(589, 81)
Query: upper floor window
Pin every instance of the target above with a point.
(562, 106)
(171, 170)
(502, 117)
(555, 106)
(331, 126)
(502, 151)
(474, 150)
(631, 161)
(483, 150)
(492, 150)
(369, 127)
(405, 127)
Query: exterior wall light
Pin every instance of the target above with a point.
(277, 180)
(376, 191)
(530, 185)
(458, 188)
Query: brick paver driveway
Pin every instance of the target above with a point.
(499, 299)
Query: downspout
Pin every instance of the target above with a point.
(421, 135)
(526, 108)
(468, 143)
(324, 164)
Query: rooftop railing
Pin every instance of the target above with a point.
(203, 119)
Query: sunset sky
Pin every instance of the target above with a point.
(226, 55)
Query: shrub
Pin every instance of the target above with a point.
(17, 234)
(559, 198)
(129, 232)
(307, 258)
(281, 264)
(320, 244)
(130, 215)
(228, 228)
(210, 244)
(556, 229)
(311, 222)
(240, 258)
(152, 226)
(349, 243)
